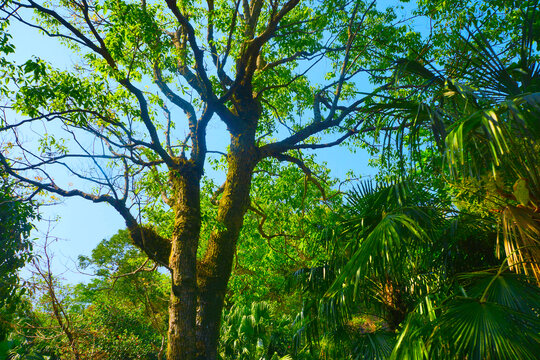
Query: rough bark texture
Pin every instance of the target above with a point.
(215, 268)
(198, 293)
(155, 246)
(183, 264)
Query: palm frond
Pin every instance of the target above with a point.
(383, 252)
(504, 288)
(374, 346)
(411, 343)
(477, 330)
(521, 239)
(315, 279)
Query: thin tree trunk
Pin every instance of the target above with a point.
(60, 316)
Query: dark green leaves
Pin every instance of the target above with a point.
(15, 225)
(480, 330)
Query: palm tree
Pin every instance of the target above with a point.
(483, 111)
(426, 264)
(399, 257)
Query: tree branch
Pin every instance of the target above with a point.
(198, 55)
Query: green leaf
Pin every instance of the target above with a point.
(484, 330)
(521, 192)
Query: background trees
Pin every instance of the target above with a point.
(16, 216)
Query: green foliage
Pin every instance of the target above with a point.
(117, 329)
(405, 270)
(280, 233)
(16, 216)
(400, 258)
(478, 330)
(124, 310)
(250, 332)
(15, 225)
(483, 116)
(483, 109)
(20, 348)
(121, 314)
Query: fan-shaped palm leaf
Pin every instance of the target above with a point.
(506, 289)
(374, 346)
(476, 330)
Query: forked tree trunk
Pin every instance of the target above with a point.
(198, 293)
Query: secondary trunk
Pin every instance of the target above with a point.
(183, 264)
(215, 268)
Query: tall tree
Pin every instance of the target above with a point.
(255, 66)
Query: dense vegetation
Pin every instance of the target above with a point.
(437, 257)
(16, 216)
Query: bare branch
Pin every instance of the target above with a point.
(260, 228)
(223, 77)
(136, 271)
(229, 42)
(307, 171)
(174, 98)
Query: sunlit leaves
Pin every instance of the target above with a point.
(482, 106)
(132, 35)
(279, 236)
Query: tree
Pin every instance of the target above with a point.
(245, 64)
(15, 226)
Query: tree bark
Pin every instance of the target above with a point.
(183, 263)
(198, 290)
(216, 266)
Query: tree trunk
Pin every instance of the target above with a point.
(209, 322)
(216, 266)
(198, 292)
(183, 265)
(395, 306)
